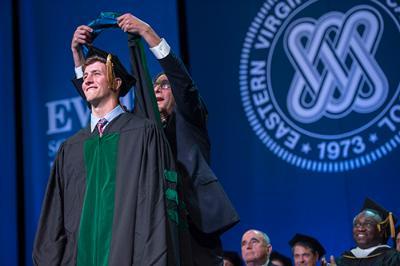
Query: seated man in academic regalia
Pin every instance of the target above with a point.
(306, 250)
(371, 229)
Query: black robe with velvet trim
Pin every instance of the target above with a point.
(383, 256)
(141, 233)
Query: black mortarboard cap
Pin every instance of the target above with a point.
(309, 242)
(388, 219)
(278, 256)
(119, 70)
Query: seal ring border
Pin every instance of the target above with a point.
(291, 158)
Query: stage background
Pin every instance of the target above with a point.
(8, 181)
(269, 193)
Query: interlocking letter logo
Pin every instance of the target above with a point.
(320, 84)
(336, 71)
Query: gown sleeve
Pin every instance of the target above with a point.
(50, 237)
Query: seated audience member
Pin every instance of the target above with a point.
(398, 238)
(232, 258)
(306, 250)
(280, 260)
(371, 229)
(256, 248)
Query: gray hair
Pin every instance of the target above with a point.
(264, 235)
(266, 238)
(369, 213)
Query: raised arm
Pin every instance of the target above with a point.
(185, 92)
(82, 35)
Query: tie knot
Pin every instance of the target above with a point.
(102, 122)
(100, 125)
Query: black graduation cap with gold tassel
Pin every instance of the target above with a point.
(145, 100)
(388, 219)
(114, 69)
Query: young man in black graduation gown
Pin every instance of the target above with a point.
(371, 229)
(105, 202)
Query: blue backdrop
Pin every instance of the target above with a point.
(8, 202)
(263, 68)
(270, 193)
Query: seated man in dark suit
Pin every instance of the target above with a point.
(256, 248)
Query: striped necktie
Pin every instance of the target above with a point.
(101, 125)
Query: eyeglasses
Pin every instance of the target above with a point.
(163, 84)
(367, 225)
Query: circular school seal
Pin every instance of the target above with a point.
(319, 81)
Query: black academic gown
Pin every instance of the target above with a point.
(383, 256)
(209, 207)
(139, 226)
(210, 212)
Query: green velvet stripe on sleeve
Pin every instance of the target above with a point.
(95, 230)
